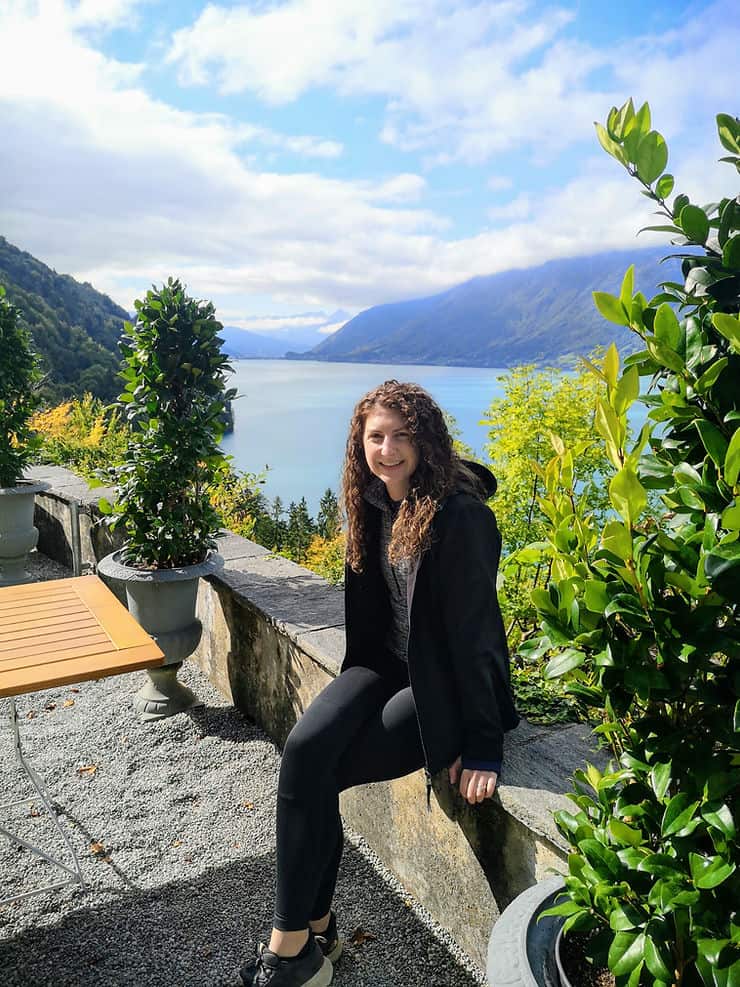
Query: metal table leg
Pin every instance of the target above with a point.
(74, 871)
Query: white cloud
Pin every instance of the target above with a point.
(462, 81)
(498, 183)
(104, 181)
(518, 208)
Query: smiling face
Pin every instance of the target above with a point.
(389, 449)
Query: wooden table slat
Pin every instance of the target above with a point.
(38, 647)
(79, 669)
(50, 610)
(29, 628)
(67, 630)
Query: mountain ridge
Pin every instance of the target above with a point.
(540, 314)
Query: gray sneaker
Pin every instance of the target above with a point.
(329, 942)
(267, 969)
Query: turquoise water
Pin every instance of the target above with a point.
(293, 416)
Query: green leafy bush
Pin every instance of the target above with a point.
(174, 401)
(534, 404)
(641, 613)
(19, 377)
(83, 434)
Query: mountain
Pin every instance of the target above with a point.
(75, 328)
(241, 344)
(299, 333)
(540, 314)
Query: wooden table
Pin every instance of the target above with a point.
(56, 633)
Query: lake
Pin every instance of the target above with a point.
(293, 416)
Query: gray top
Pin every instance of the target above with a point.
(399, 577)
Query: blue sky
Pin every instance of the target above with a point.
(310, 155)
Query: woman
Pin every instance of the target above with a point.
(425, 679)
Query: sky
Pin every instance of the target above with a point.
(300, 156)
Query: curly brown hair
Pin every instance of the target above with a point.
(438, 473)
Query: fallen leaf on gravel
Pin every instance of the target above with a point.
(177, 843)
(359, 937)
(248, 805)
(50, 707)
(68, 702)
(33, 812)
(99, 851)
(87, 769)
(74, 690)
(30, 714)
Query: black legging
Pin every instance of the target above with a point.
(361, 728)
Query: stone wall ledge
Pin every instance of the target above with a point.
(273, 636)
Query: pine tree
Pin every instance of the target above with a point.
(327, 520)
(301, 529)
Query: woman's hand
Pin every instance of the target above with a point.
(475, 785)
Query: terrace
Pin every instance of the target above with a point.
(175, 820)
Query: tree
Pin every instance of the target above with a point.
(19, 377)
(641, 615)
(328, 520)
(301, 529)
(535, 405)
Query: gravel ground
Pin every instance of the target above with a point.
(174, 826)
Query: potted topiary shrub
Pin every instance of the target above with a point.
(19, 376)
(174, 400)
(640, 616)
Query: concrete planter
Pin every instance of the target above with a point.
(18, 536)
(163, 601)
(522, 950)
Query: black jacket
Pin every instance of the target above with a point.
(457, 655)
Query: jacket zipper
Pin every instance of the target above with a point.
(427, 773)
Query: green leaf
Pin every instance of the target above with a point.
(729, 327)
(709, 872)
(661, 865)
(660, 778)
(566, 661)
(678, 813)
(728, 129)
(731, 253)
(651, 157)
(627, 495)
(600, 857)
(658, 959)
(664, 187)
(105, 506)
(721, 817)
(611, 308)
(713, 441)
(595, 596)
(617, 539)
(695, 223)
(722, 569)
(666, 327)
(626, 952)
(628, 287)
(610, 146)
(732, 459)
(665, 355)
(710, 376)
(627, 390)
(731, 515)
(623, 834)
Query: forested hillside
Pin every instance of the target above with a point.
(539, 314)
(74, 327)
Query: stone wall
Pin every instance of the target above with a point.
(273, 636)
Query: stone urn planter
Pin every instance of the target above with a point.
(163, 601)
(18, 536)
(522, 951)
